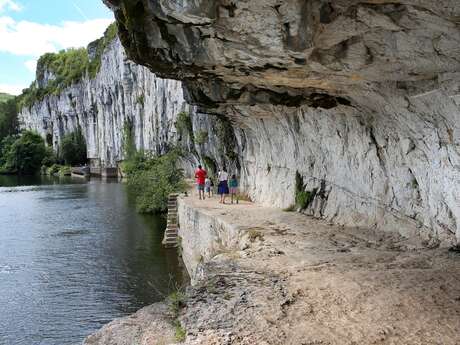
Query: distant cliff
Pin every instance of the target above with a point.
(121, 94)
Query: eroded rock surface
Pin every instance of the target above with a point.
(361, 98)
(150, 325)
(264, 276)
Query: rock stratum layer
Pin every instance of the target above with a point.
(360, 98)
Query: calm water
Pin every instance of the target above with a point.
(73, 256)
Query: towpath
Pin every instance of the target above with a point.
(299, 280)
(295, 280)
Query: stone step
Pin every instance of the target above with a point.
(173, 243)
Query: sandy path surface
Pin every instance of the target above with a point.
(302, 281)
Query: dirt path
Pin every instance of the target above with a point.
(302, 281)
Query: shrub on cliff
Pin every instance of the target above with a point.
(24, 155)
(152, 179)
(73, 148)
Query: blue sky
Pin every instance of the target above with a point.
(30, 28)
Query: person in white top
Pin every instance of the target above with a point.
(222, 188)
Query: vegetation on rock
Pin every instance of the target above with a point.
(184, 125)
(303, 198)
(201, 137)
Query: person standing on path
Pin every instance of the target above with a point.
(207, 186)
(233, 184)
(200, 175)
(222, 188)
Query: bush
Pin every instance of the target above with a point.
(25, 154)
(50, 157)
(73, 148)
(303, 198)
(184, 124)
(201, 137)
(153, 179)
(65, 170)
(53, 170)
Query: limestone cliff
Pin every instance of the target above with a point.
(358, 99)
(122, 93)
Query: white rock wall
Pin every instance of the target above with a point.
(122, 91)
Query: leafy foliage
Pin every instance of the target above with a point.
(73, 148)
(5, 97)
(201, 137)
(226, 136)
(184, 124)
(101, 44)
(303, 198)
(153, 178)
(8, 118)
(24, 155)
(129, 147)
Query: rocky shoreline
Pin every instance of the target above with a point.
(266, 276)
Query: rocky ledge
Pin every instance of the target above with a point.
(265, 276)
(358, 99)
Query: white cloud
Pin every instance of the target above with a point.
(12, 89)
(9, 5)
(33, 39)
(31, 65)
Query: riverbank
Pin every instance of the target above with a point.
(265, 276)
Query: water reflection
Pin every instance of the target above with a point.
(73, 256)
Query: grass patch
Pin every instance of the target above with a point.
(179, 332)
(176, 301)
(254, 235)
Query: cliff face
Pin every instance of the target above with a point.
(360, 98)
(122, 94)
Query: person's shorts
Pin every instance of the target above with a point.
(207, 189)
(200, 186)
(233, 190)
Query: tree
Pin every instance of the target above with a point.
(73, 148)
(26, 154)
(8, 118)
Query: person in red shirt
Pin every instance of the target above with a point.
(200, 175)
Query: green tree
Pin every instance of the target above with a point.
(8, 118)
(73, 148)
(153, 179)
(25, 154)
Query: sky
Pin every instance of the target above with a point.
(30, 28)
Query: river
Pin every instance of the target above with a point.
(74, 255)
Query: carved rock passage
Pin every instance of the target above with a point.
(360, 97)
